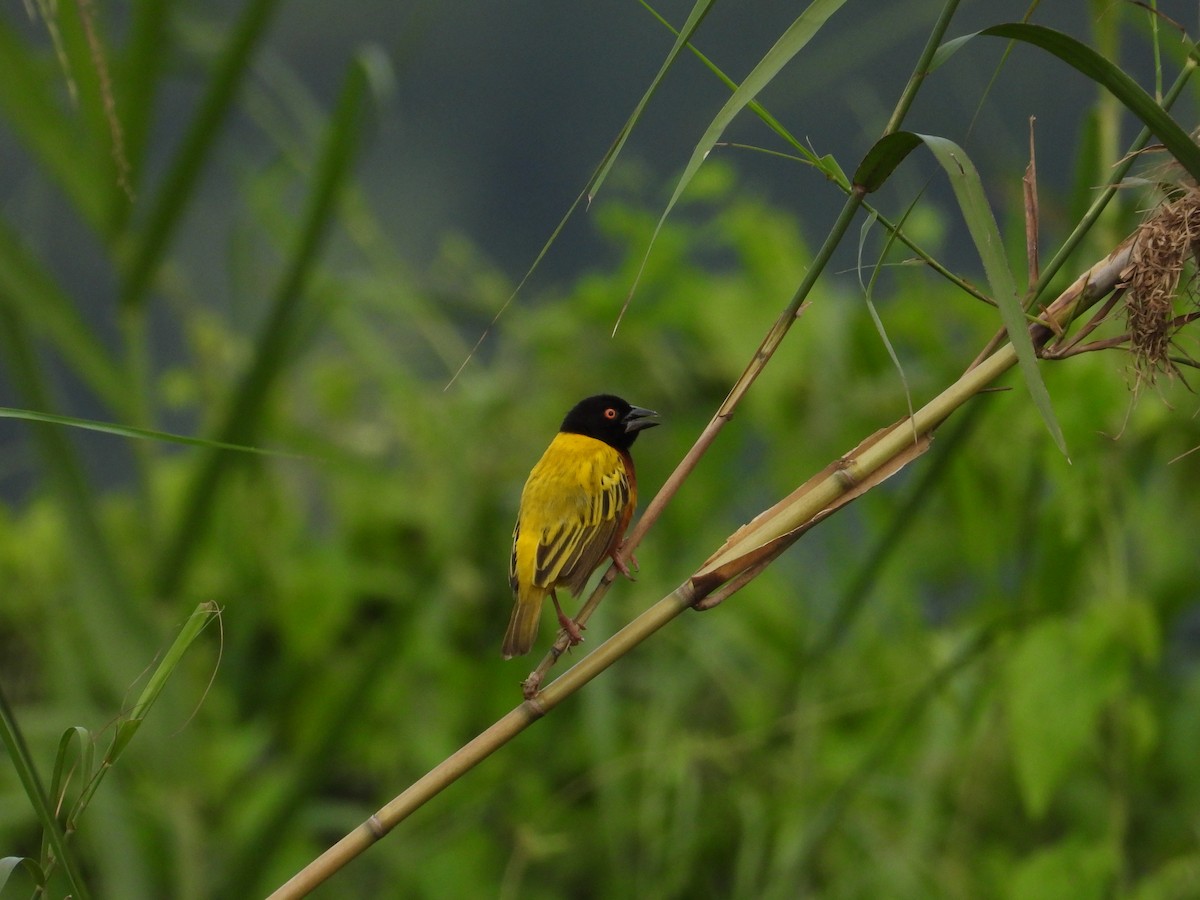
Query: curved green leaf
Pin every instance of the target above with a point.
(9, 864)
(1104, 72)
(968, 189)
(883, 158)
(879, 163)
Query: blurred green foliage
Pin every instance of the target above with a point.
(981, 680)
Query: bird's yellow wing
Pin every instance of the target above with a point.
(571, 509)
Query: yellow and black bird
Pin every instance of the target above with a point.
(575, 508)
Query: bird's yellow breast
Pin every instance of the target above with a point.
(571, 507)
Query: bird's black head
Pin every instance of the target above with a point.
(608, 418)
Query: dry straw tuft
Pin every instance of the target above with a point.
(1164, 243)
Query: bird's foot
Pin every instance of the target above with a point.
(622, 566)
(574, 631)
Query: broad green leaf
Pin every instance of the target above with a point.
(1053, 700)
(1072, 868)
(1100, 70)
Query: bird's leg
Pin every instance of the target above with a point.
(622, 566)
(572, 630)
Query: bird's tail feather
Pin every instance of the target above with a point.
(522, 626)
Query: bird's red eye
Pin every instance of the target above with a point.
(610, 413)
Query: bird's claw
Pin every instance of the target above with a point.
(574, 631)
(623, 567)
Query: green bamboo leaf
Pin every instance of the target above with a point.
(883, 158)
(1100, 70)
(129, 431)
(879, 163)
(968, 189)
(793, 40)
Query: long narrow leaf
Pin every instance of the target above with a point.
(9, 864)
(879, 163)
(793, 40)
(128, 431)
(968, 189)
(1102, 71)
(128, 727)
(695, 17)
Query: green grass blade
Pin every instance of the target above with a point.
(276, 339)
(129, 725)
(200, 618)
(31, 783)
(883, 158)
(695, 17)
(176, 191)
(129, 431)
(137, 76)
(793, 40)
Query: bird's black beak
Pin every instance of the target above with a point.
(637, 419)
